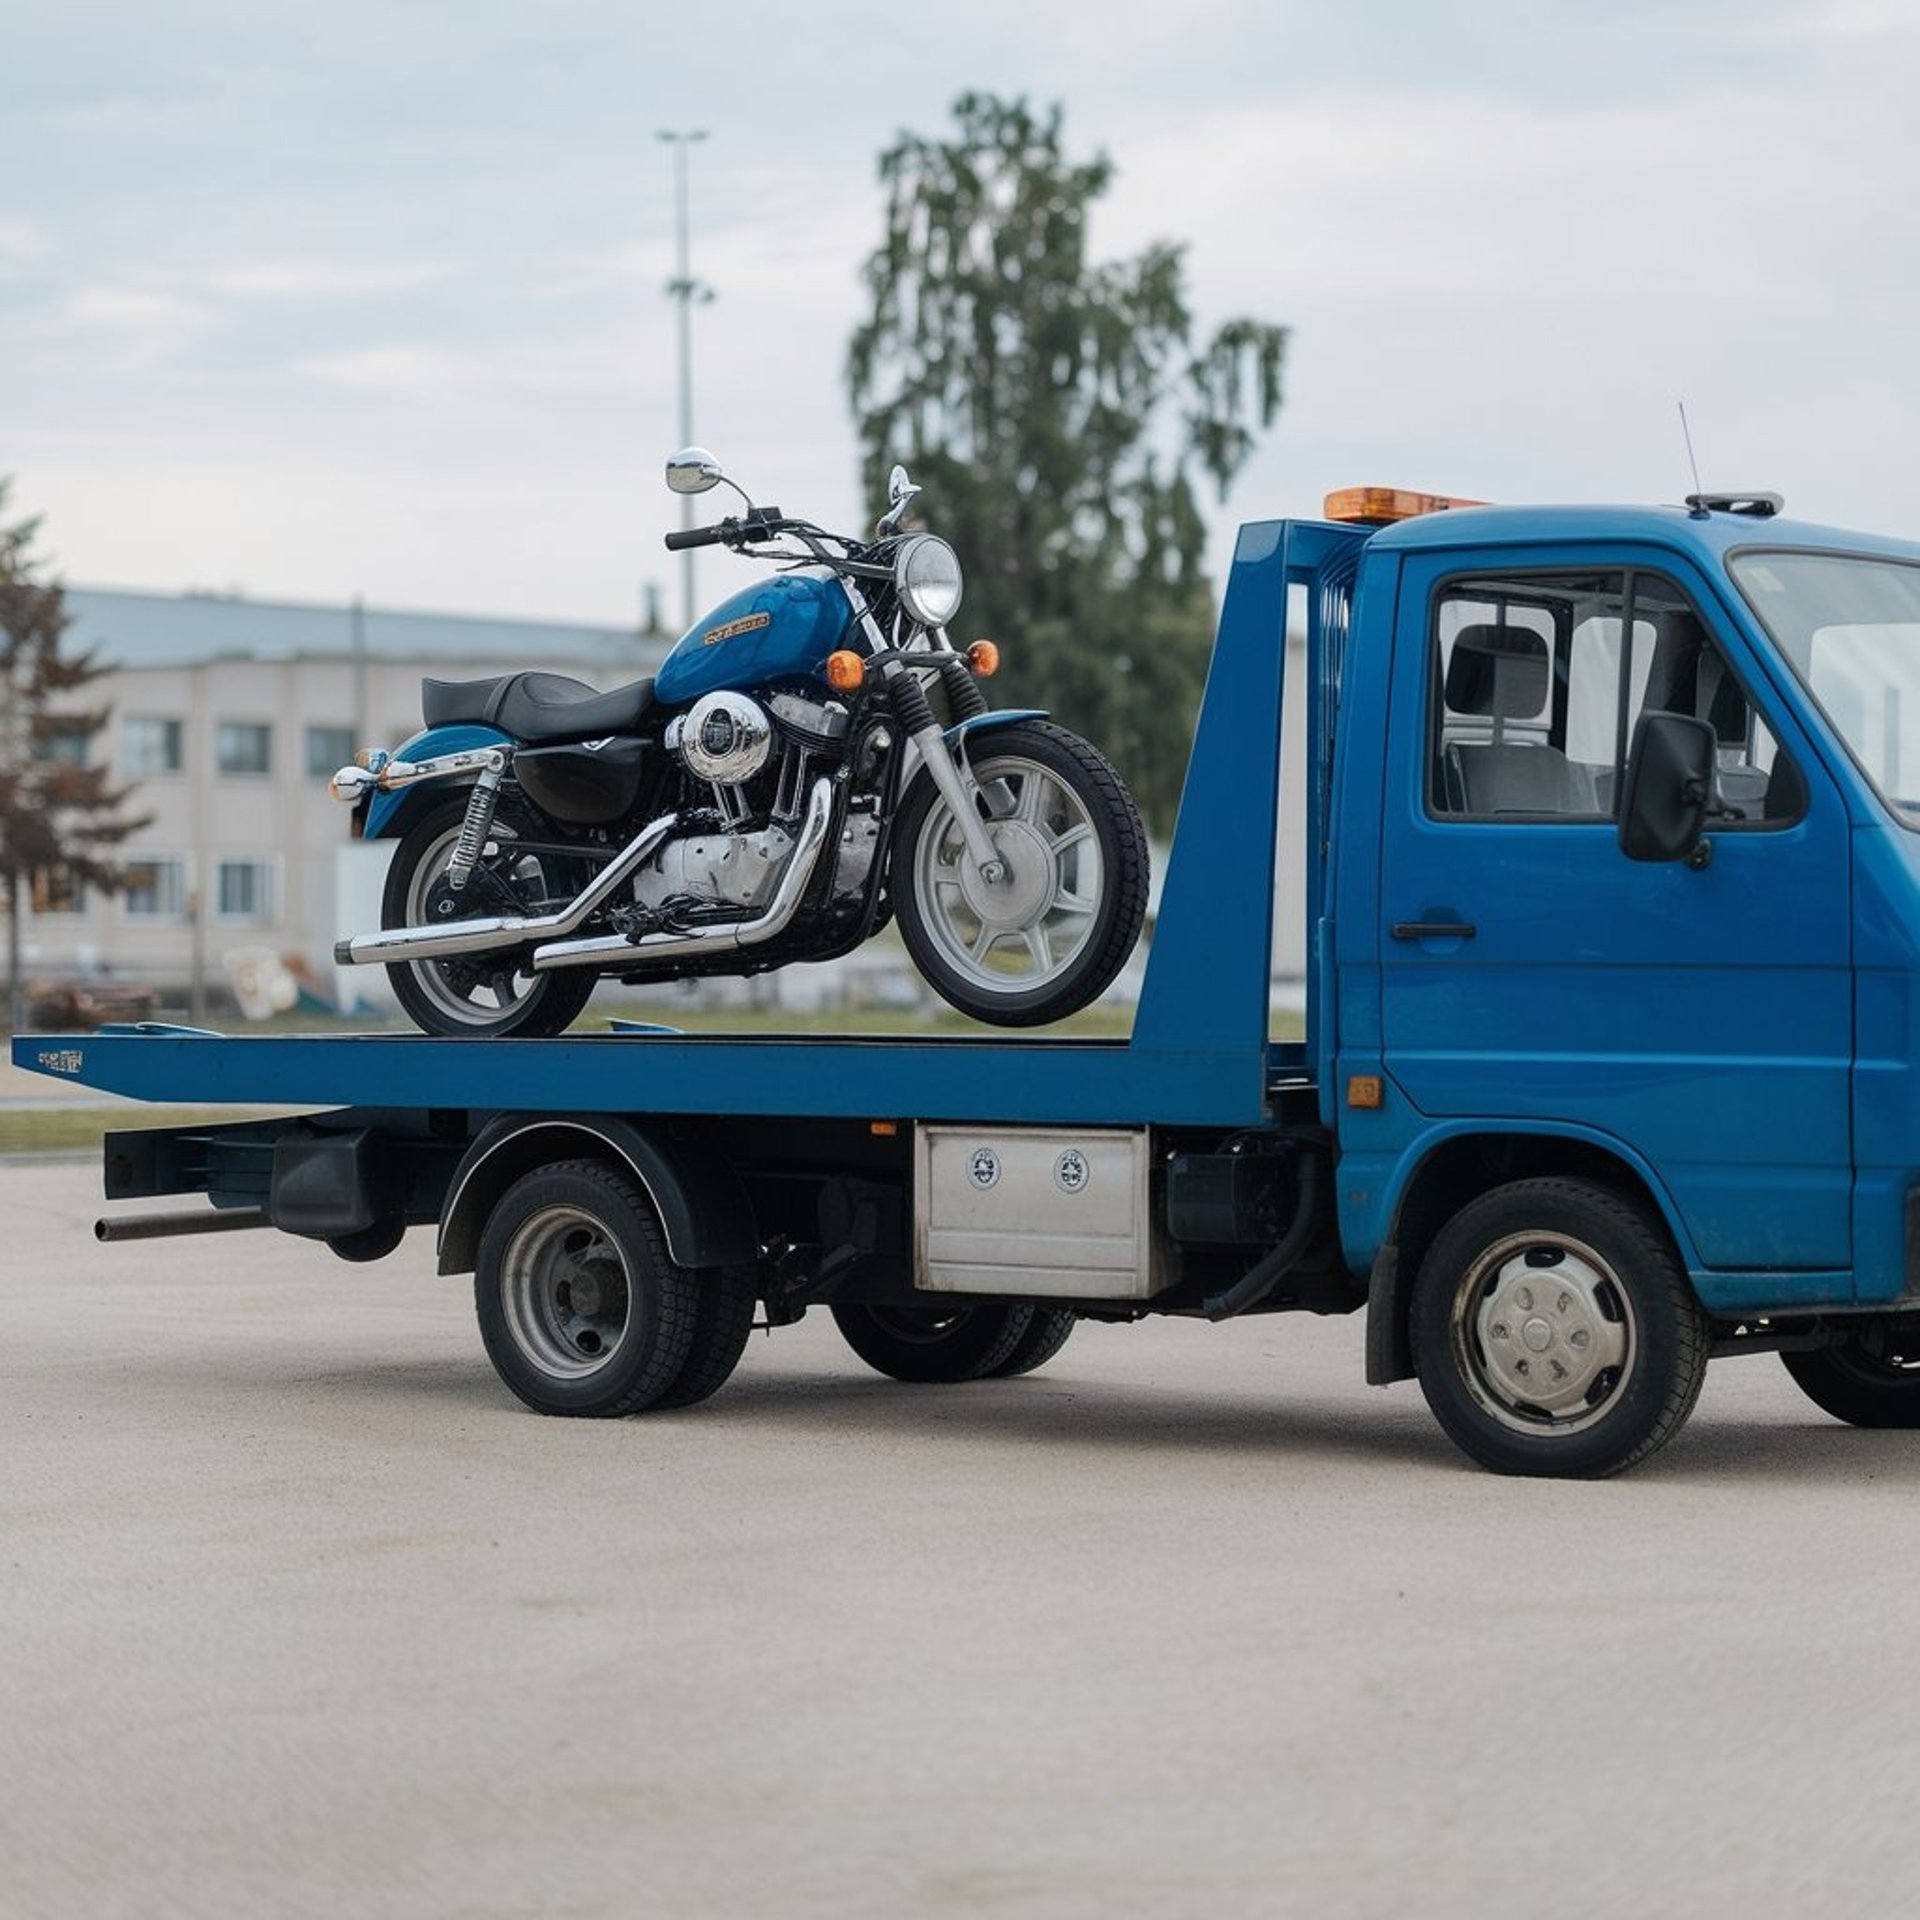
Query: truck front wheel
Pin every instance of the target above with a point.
(1869, 1377)
(1555, 1331)
(580, 1307)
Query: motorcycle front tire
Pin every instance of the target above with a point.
(482, 995)
(1050, 936)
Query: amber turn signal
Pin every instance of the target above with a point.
(984, 658)
(845, 671)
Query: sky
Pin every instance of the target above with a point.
(370, 298)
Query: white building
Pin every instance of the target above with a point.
(228, 716)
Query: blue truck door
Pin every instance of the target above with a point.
(1531, 973)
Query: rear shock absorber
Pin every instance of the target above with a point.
(474, 829)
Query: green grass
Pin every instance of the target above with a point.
(81, 1129)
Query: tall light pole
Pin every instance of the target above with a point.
(684, 288)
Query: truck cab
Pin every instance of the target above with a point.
(1528, 990)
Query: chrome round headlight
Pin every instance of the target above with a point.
(926, 571)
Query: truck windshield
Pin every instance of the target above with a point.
(1850, 628)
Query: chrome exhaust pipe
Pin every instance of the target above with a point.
(605, 948)
(486, 936)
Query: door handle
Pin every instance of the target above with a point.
(1432, 930)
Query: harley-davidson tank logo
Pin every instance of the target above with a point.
(750, 623)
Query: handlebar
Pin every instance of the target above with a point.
(758, 523)
(699, 536)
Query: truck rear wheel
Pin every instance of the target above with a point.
(581, 1309)
(1048, 1330)
(935, 1344)
(723, 1318)
(1555, 1331)
(1869, 1377)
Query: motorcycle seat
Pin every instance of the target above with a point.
(535, 707)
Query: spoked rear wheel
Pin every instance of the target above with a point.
(481, 993)
(1049, 935)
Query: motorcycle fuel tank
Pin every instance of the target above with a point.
(774, 630)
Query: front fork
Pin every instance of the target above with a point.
(952, 777)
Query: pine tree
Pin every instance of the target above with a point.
(1059, 417)
(60, 817)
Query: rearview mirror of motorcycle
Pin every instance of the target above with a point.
(900, 494)
(693, 470)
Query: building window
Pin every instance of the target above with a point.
(328, 750)
(150, 745)
(243, 746)
(156, 887)
(62, 742)
(58, 890)
(246, 890)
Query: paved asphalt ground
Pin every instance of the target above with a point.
(301, 1614)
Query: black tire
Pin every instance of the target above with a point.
(1869, 1377)
(1047, 1332)
(1075, 898)
(934, 1344)
(1577, 1373)
(581, 1309)
(481, 994)
(723, 1319)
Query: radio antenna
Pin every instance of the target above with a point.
(1697, 500)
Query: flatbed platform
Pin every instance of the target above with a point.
(1087, 1082)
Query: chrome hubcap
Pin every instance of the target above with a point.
(1544, 1333)
(567, 1292)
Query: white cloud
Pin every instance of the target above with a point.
(317, 277)
(400, 369)
(20, 239)
(141, 328)
(1852, 20)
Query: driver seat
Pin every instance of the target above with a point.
(535, 707)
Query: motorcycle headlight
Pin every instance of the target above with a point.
(926, 572)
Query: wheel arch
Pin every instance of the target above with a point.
(1453, 1166)
(703, 1207)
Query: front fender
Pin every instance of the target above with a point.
(982, 721)
(388, 813)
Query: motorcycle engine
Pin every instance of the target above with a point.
(727, 741)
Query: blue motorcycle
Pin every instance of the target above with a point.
(814, 758)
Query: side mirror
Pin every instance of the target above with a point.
(693, 470)
(900, 493)
(1668, 788)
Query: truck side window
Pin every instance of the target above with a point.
(1539, 678)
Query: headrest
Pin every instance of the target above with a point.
(1497, 671)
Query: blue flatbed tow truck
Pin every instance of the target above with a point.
(1612, 915)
